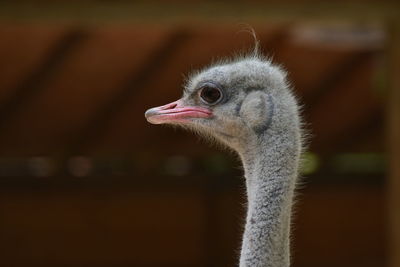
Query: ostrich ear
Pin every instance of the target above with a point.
(256, 110)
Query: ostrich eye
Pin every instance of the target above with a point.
(210, 94)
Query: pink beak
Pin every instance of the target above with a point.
(175, 113)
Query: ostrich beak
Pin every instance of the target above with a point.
(175, 112)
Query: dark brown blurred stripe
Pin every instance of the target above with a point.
(333, 79)
(105, 115)
(32, 84)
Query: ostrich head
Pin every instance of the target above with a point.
(247, 105)
(235, 102)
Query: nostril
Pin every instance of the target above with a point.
(170, 106)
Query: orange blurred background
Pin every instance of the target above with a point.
(86, 181)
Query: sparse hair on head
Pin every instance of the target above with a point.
(256, 47)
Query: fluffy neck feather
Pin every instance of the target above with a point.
(270, 171)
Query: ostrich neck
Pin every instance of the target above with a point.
(270, 171)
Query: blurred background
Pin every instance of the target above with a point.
(86, 181)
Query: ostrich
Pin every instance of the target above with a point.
(246, 104)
